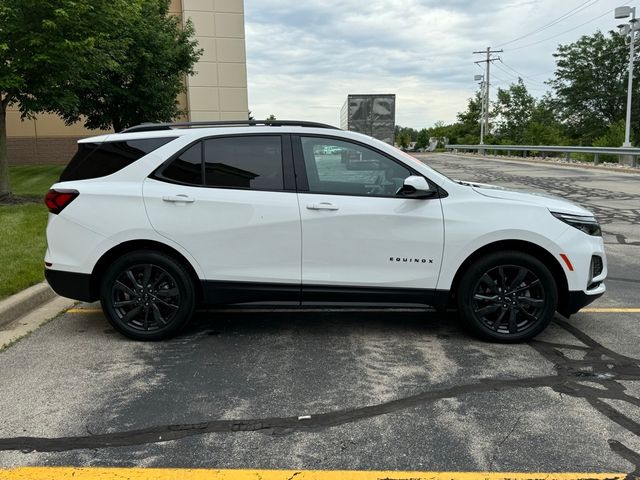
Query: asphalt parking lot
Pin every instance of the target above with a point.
(383, 390)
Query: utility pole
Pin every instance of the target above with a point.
(487, 83)
(482, 110)
(480, 78)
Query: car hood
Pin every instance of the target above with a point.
(553, 203)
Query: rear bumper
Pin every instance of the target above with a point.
(70, 284)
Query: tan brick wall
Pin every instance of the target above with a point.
(41, 151)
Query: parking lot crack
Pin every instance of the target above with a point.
(506, 437)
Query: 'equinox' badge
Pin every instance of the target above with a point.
(410, 260)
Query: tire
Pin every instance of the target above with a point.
(157, 312)
(507, 297)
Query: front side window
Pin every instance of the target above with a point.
(253, 162)
(344, 168)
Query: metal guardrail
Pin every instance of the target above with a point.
(634, 153)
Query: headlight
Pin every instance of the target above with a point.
(588, 225)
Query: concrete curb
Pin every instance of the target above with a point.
(25, 301)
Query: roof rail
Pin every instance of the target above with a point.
(149, 127)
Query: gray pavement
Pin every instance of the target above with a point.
(386, 390)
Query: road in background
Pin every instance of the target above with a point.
(348, 390)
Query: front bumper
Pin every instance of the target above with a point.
(70, 284)
(577, 300)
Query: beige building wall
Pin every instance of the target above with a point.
(218, 90)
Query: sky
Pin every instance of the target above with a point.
(305, 56)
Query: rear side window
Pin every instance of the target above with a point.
(186, 167)
(93, 160)
(253, 162)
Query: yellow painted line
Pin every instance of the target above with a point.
(62, 473)
(84, 310)
(611, 310)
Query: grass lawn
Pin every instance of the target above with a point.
(22, 228)
(33, 179)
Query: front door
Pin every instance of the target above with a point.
(355, 231)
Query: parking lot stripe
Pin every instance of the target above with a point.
(95, 473)
(84, 310)
(611, 310)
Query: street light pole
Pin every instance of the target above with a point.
(625, 12)
(627, 130)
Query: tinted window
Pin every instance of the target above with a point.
(93, 160)
(338, 167)
(244, 162)
(187, 167)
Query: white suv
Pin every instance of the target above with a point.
(162, 217)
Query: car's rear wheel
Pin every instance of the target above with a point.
(147, 295)
(507, 297)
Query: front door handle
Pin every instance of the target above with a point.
(322, 206)
(178, 198)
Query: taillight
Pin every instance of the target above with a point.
(57, 200)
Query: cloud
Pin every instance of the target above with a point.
(304, 57)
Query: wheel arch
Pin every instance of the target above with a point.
(134, 245)
(525, 247)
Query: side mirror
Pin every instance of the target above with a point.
(416, 187)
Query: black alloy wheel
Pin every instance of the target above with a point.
(508, 297)
(147, 296)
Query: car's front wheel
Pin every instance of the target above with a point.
(507, 297)
(147, 295)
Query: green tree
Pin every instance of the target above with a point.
(467, 129)
(144, 85)
(513, 108)
(403, 139)
(590, 85)
(49, 48)
(543, 127)
(412, 133)
(423, 138)
(271, 117)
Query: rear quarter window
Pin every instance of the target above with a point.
(94, 160)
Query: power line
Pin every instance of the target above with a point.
(566, 31)
(562, 17)
(520, 75)
(529, 87)
(501, 80)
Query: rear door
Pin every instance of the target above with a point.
(358, 237)
(231, 203)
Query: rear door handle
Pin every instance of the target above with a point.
(178, 198)
(322, 206)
